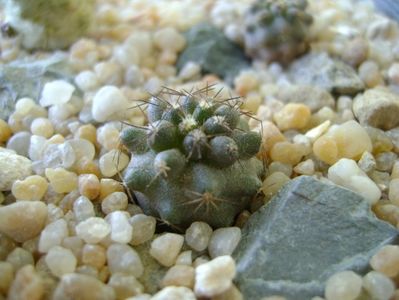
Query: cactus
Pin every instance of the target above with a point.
(277, 30)
(48, 24)
(194, 161)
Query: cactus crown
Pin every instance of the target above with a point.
(277, 30)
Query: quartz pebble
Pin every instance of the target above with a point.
(89, 186)
(6, 276)
(214, 277)
(20, 257)
(393, 74)
(345, 285)
(378, 286)
(124, 259)
(27, 284)
(143, 228)
(107, 103)
(179, 275)
(113, 202)
(175, 293)
(87, 80)
(61, 180)
(5, 131)
(198, 235)
(83, 209)
(52, 235)
(185, 258)
(56, 92)
(42, 127)
(386, 260)
(20, 142)
(292, 116)
(113, 162)
(108, 186)
(31, 188)
(287, 152)
(223, 241)
(125, 286)
(272, 183)
(166, 248)
(347, 173)
(306, 167)
(23, 220)
(93, 230)
(60, 261)
(12, 167)
(94, 255)
(121, 230)
(169, 38)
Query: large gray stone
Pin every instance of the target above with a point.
(208, 47)
(309, 231)
(318, 69)
(388, 7)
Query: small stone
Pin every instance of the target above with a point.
(93, 230)
(60, 261)
(31, 188)
(290, 260)
(272, 183)
(23, 220)
(386, 260)
(52, 235)
(12, 167)
(234, 294)
(175, 293)
(87, 132)
(179, 275)
(20, 143)
(223, 241)
(113, 162)
(393, 195)
(87, 81)
(380, 139)
(166, 248)
(20, 257)
(42, 127)
(125, 286)
(270, 136)
(61, 180)
(6, 276)
(190, 70)
(56, 92)
(5, 131)
(347, 173)
(198, 235)
(367, 162)
(89, 186)
(83, 287)
(214, 277)
(108, 136)
(94, 255)
(345, 285)
(143, 228)
(306, 167)
(27, 285)
(393, 74)
(83, 209)
(168, 38)
(113, 202)
(82, 148)
(124, 259)
(385, 161)
(370, 74)
(108, 103)
(292, 116)
(355, 52)
(185, 258)
(378, 286)
(121, 230)
(109, 186)
(287, 153)
(109, 73)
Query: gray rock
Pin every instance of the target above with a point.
(318, 69)
(314, 97)
(377, 107)
(208, 47)
(388, 7)
(309, 231)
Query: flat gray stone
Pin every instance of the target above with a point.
(309, 231)
(333, 75)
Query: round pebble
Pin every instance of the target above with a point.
(31, 188)
(124, 259)
(166, 248)
(61, 180)
(60, 261)
(198, 235)
(378, 286)
(56, 92)
(345, 285)
(108, 102)
(113, 202)
(113, 162)
(93, 230)
(223, 241)
(386, 260)
(292, 116)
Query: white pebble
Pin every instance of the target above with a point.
(108, 102)
(12, 167)
(112, 162)
(378, 286)
(175, 293)
(169, 38)
(121, 230)
(113, 202)
(305, 167)
(83, 209)
(124, 259)
(347, 173)
(198, 235)
(223, 241)
(185, 258)
(56, 92)
(189, 70)
(60, 261)
(345, 285)
(87, 81)
(52, 235)
(166, 248)
(93, 230)
(143, 228)
(214, 277)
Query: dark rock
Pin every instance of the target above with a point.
(318, 69)
(208, 47)
(26, 78)
(309, 231)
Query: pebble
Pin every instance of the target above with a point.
(393, 74)
(179, 275)
(355, 52)
(270, 136)
(143, 228)
(214, 277)
(113, 162)
(370, 74)
(345, 285)
(12, 167)
(124, 259)
(94, 255)
(277, 166)
(175, 293)
(87, 132)
(125, 286)
(42, 127)
(185, 258)
(108, 136)
(246, 82)
(27, 285)
(83, 209)
(190, 71)
(223, 241)
(56, 92)
(5, 131)
(89, 186)
(20, 142)
(380, 139)
(386, 260)
(87, 81)
(198, 235)
(166, 248)
(367, 162)
(60, 261)
(108, 186)
(61, 180)
(52, 235)
(292, 116)
(385, 161)
(272, 183)
(20, 257)
(82, 148)
(169, 38)
(109, 73)
(121, 230)
(306, 167)
(348, 140)
(113, 202)
(234, 294)
(287, 152)
(108, 102)
(23, 220)
(6, 276)
(83, 287)
(378, 285)
(347, 173)
(378, 108)
(93, 230)
(31, 188)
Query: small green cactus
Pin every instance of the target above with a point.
(277, 30)
(195, 161)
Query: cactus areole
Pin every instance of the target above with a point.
(195, 161)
